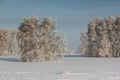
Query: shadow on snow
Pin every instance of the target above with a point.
(11, 59)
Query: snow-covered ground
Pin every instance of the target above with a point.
(70, 68)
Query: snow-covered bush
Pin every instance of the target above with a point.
(7, 79)
(39, 41)
(103, 38)
(65, 72)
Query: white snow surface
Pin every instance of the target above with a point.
(70, 68)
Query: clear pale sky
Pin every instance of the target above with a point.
(72, 16)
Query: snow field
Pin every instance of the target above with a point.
(70, 68)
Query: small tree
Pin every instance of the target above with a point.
(4, 40)
(38, 40)
(13, 47)
(84, 43)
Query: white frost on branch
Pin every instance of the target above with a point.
(38, 40)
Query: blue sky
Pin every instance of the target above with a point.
(72, 16)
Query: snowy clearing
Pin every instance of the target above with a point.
(70, 68)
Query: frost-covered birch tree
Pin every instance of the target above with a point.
(13, 47)
(39, 41)
(84, 43)
(4, 40)
(103, 38)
